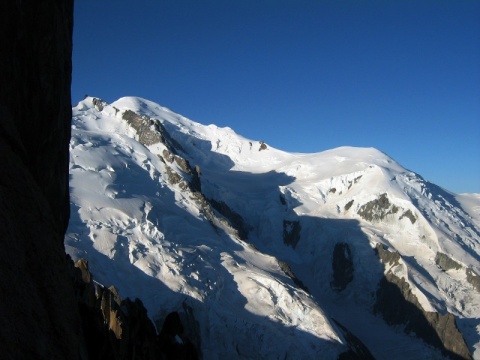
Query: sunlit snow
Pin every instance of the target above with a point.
(151, 239)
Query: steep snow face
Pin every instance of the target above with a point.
(144, 227)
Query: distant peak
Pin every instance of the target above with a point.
(138, 104)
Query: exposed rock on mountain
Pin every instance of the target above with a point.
(398, 305)
(288, 271)
(173, 340)
(148, 130)
(358, 351)
(474, 279)
(445, 262)
(342, 265)
(269, 245)
(387, 256)
(291, 232)
(377, 209)
(234, 219)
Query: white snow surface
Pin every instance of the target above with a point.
(151, 239)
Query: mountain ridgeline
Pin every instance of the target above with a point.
(237, 249)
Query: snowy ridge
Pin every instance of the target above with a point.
(145, 225)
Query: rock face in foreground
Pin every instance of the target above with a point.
(116, 328)
(38, 312)
(35, 73)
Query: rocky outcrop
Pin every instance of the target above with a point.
(148, 130)
(99, 104)
(348, 205)
(398, 305)
(187, 177)
(473, 278)
(288, 271)
(342, 266)
(386, 256)
(445, 262)
(291, 232)
(117, 328)
(193, 173)
(377, 209)
(234, 219)
(174, 343)
(39, 317)
(409, 215)
(358, 350)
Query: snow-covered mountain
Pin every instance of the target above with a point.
(268, 254)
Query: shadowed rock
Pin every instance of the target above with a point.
(358, 350)
(291, 232)
(288, 271)
(342, 265)
(234, 219)
(39, 317)
(398, 305)
(173, 341)
(120, 329)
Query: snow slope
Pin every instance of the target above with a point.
(143, 226)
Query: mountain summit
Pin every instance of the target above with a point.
(267, 254)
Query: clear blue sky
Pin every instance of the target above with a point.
(302, 75)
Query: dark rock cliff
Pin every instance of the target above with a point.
(35, 78)
(38, 316)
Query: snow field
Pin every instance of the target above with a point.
(151, 239)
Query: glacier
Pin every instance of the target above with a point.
(240, 237)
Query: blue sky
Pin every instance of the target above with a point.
(301, 75)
